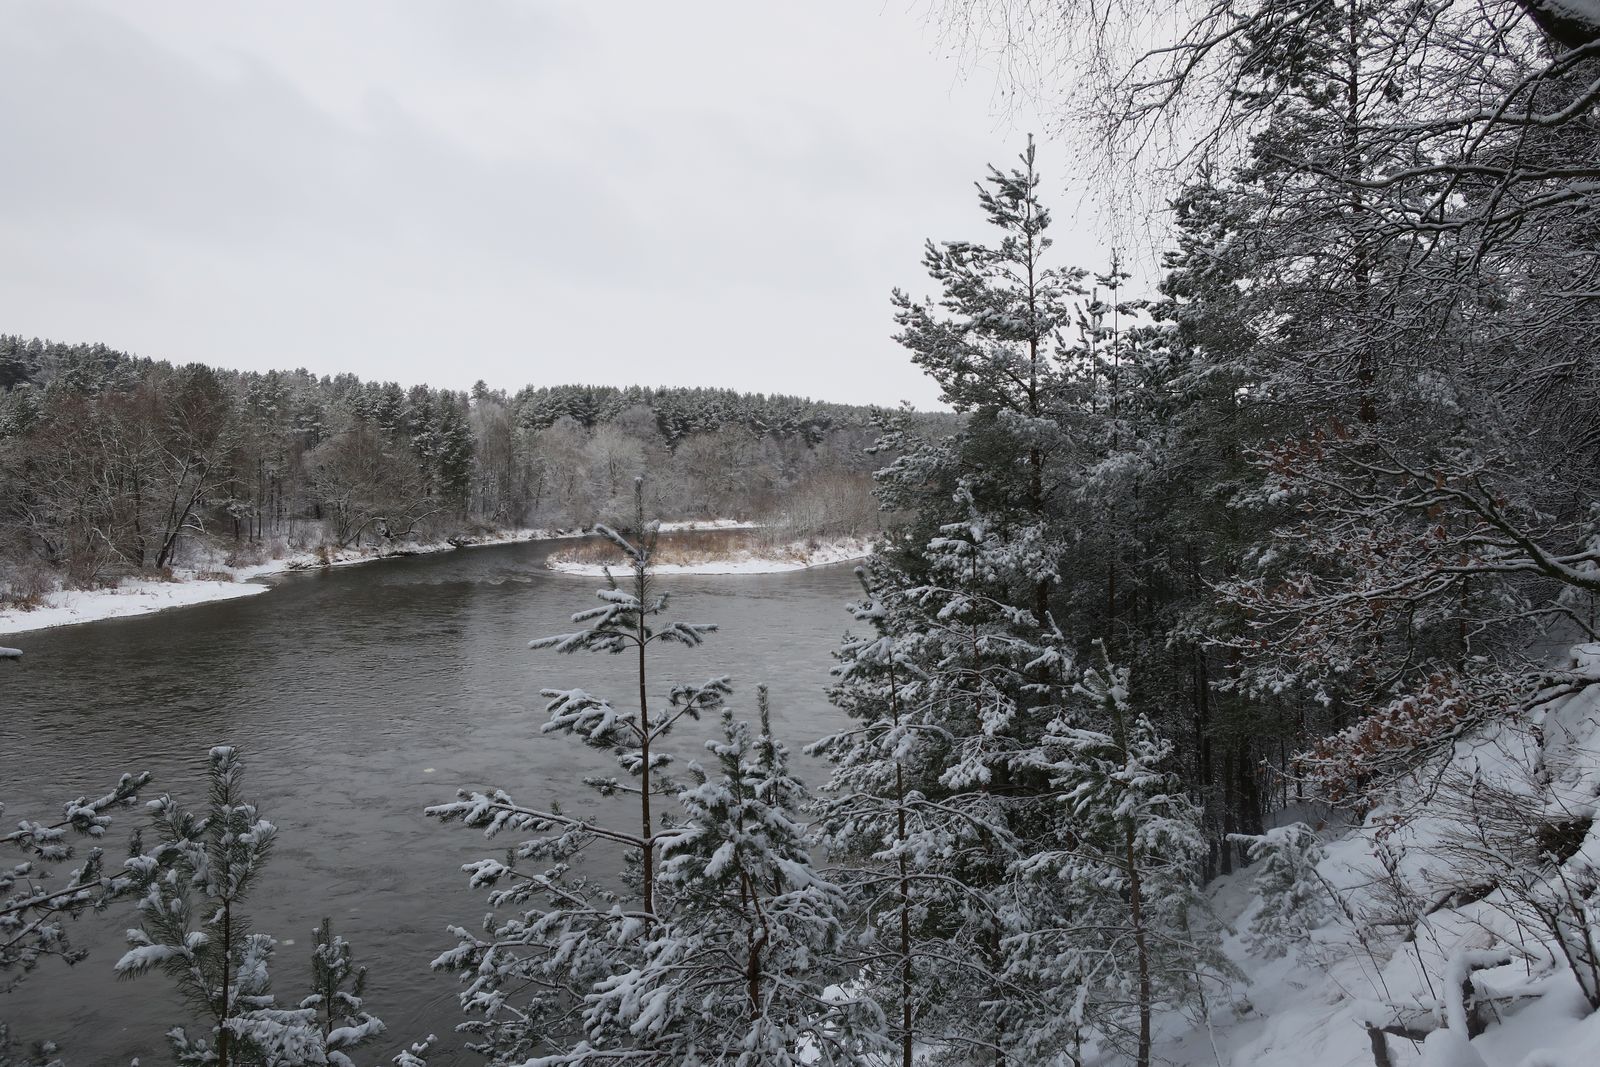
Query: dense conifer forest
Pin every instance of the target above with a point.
(113, 466)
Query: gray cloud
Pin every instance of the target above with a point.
(696, 193)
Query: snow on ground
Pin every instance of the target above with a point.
(708, 524)
(1404, 880)
(130, 598)
(221, 582)
(787, 558)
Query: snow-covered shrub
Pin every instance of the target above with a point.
(1294, 899)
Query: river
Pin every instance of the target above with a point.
(359, 696)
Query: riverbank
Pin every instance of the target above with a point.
(756, 559)
(217, 582)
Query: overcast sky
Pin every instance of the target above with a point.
(681, 193)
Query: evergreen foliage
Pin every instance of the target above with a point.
(34, 908)
(1124, 929)
(722, 942)
(1294, 899)
(191, 887)
(111, 465)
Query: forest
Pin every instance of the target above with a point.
(1224, 687)
(113, 466)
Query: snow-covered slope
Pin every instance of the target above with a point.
(1444, 903)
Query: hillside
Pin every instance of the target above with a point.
(1458, 906)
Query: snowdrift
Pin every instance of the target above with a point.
(1461, 919)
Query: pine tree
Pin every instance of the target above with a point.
(192, 886)
(193, 927)
(991, 348)
(336, 988)
(927, 814)
(721, 946)
(1124, 930)
(940, 781)
(569, 933)
(1294, 898)
(870, 823)
(747, 969)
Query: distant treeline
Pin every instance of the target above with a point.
(111, 464)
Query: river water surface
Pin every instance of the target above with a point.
(359, 696)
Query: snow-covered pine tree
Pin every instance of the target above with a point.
(747, 968)
(569, 933)
(926, 805)
(192, 886)
(993, 677)
(877, 811)
(1123, 930)
(977, 661)
(1294, 898)
(336, 988)
(990, 341)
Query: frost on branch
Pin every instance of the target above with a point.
(37, 898)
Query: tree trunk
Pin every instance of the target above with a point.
(905, 885)
(648, 859)
(1141, 947)
(223, 1035)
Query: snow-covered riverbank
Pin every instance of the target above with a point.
(130, 598)
(144, 596)
(796, 557)
(217, 581)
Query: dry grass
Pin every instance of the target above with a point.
(691, 547)
(27, 586)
